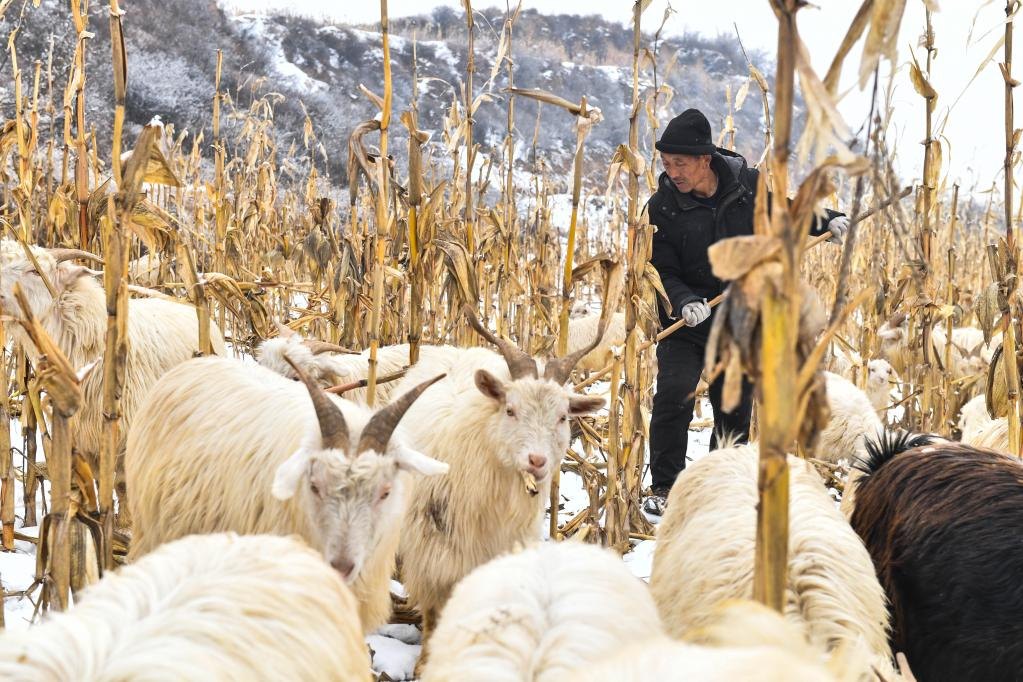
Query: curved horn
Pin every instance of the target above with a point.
(316, 347)
(71, 254)
(333, 429)
(559, 370)
(381, 425)
(520, 363)
(284, 331)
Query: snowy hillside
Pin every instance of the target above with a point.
(318, 66)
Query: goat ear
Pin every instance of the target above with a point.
(489, 385)
(416, 462)
(289, 474)
(68, 274)
(584, 404)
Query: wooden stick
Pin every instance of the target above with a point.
(815, 241)
(362, 383)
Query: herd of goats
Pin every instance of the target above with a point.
(268, 516)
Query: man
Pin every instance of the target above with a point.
(705, 194)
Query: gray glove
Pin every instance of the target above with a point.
(694, 313)
(838, 226)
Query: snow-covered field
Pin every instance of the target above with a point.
(395, 647)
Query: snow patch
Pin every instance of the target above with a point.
(392, 657)
(260, 29)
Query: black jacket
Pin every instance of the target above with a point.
(686, 228)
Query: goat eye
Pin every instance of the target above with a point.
(563, 419)
(315, 488)
(510, 412)
(385, 493)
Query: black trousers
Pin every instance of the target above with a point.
(679, 364)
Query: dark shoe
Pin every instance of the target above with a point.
(656, 502)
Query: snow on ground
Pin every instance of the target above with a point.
(395, 650)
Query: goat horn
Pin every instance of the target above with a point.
(382, 424)
(559, 370)
(284, 331)
(520, 363)
(71, 254)
(333, 429)
(316, 347)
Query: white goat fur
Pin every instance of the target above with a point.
(705, 553)
(969, 354)
(481, 509)
(974, 418)
(745, 641)
(880, 374)
(844, 361)
(853, 418)
(581, 331)
(204, 453)
(145, 270)
(538, 614)
(206, 607)
(993, 435)
(330, 369)
(161, 334)
(880, 377)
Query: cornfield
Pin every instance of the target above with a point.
(249, 234)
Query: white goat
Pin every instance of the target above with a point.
(993, 435)
(145, 270)
(161, 334)
(224, 446)
(880, 375)
(206, 607)
(331, 365)
(745, 642)
(978, 428)
(853, 418)
(974, 419)
(538, 614)
(969, 354)
(880, 378)
(844, 361)
(496, 421)
(705, 554)
(581, 331)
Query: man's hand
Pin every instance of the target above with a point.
(838, 226)
(694, 313)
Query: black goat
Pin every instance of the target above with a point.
(943, 523)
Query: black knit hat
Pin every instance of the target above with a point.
(687, 133)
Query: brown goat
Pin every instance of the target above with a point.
(943, 523)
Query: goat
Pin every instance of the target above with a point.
(741, 641)
(581, 331)
(220, 445)
(499, 423)
(538, 614)
(705, 554)
(161, 335)
(223, 607)
(942, 522)
(331, 365)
